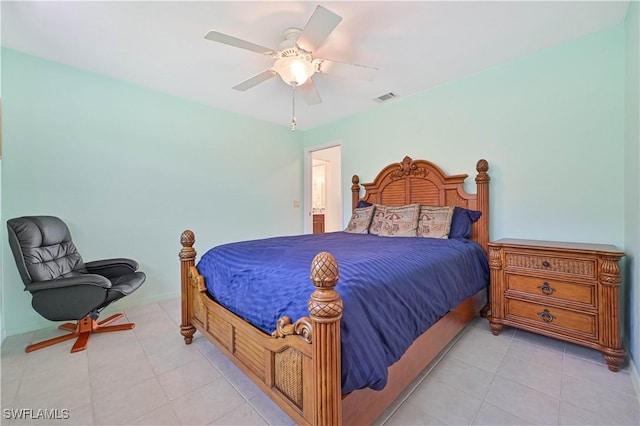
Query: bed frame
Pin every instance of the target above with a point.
(298, 365)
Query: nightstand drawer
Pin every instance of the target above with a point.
(577, 267)
(552, 317)
(554, 289)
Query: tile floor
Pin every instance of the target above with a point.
(147, 376)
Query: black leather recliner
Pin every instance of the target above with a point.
(65, 288)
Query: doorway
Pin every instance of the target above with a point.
(323, 191)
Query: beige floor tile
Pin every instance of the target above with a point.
(444, 402)
(532, 375)
(121, 373)
(269, 411)
(462, 375)
(573, 415)
(8, 391)
(619, 381)
(618, 407)
(412, 414)
(207, 404)
(241, 382)
(551, 359)
(243, 415)
(188, 378)
(160, 416)
(127, 403)
(76, 394)
(168, 351)
(539, 340)
(490, 415)
(587, 354)
(173, 309)
(524, 402)
(488, 358)
(209, 351)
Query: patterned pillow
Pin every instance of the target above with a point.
(400, 221)
(435, 222)
(360, 220)
(378, 216)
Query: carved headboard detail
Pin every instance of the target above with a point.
(421, 181)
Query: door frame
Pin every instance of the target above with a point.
(307, 210)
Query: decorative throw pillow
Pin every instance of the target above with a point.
(400, 221)
(435, 222)
(376, 221)
(462, 221)
(360, 220)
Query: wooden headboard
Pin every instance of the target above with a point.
(421, 181)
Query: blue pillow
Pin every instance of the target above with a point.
(462, 221)
(362, 204)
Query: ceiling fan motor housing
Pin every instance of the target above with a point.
(289, 46)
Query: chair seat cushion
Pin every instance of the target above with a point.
(124, 285)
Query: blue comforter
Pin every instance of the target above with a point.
(393, 289)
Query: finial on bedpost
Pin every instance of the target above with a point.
(325, 308)
(355, 192)
(187, 260)
(187, 239)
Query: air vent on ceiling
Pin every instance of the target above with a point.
(385, 97)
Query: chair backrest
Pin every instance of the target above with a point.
(43, 249)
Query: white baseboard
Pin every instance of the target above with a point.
(635, 379)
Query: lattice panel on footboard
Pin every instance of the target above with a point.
(288, 375)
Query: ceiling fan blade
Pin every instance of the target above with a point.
(255, 80)
(342, 69)
(236, 42)
(310, 93)
(320, 25)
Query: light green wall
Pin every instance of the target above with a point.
(551, 126)
(632, 178)
(129, 169)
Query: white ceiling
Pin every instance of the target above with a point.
(415, 45)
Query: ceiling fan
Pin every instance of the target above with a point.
(295, 62)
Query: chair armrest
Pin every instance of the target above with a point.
(85, 279)
(112, 267)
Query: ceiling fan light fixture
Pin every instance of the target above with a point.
(294, 70)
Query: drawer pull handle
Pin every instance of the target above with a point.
(546, 264)
(546, 289)
(546, 316)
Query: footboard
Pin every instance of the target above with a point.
(298, 366)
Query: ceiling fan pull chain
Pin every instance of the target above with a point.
(293, 113)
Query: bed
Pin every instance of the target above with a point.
(298, 364)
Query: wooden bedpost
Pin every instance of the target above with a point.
(187, 260)
(325, 308)
(482, 184)
(355, 192)
(482, 190)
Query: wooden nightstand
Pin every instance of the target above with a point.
(569, 291)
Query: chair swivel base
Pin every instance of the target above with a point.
(82, 330)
